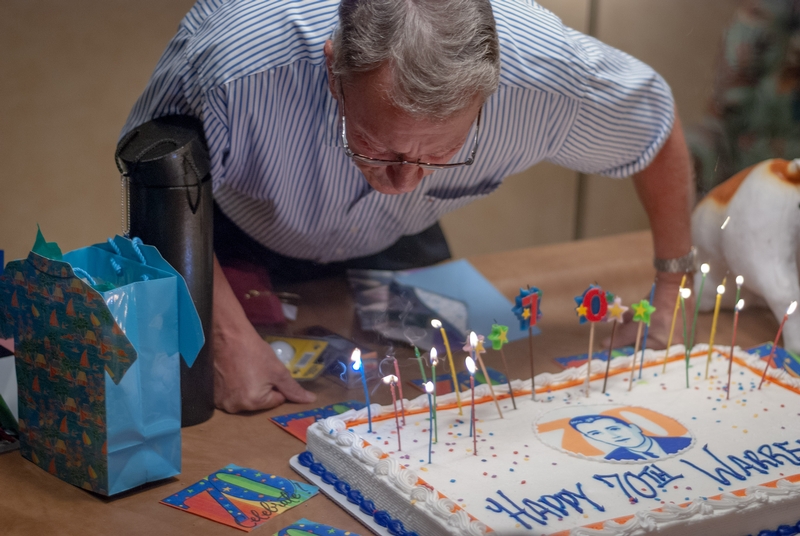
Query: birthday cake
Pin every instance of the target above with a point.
(658, 457)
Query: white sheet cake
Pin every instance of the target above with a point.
(659, 457)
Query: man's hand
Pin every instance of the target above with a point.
(248, 375)
(666, 294)
(665, 189)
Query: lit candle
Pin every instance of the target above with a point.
(473, 431)
(739, 283)
(704, 268)
(720, 292)
(400, 389)
(674, 317)
(739, 307)
(438, 325)
(477, 349)
(391, 381)
(615, 312)
(358, 365)
(685, 293)
(429, 390)
(434, 361)
(789, 311)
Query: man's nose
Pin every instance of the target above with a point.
(404, 173)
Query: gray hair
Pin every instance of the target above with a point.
(442, 53)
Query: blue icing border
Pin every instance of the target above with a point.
(783, 530)
(396, 527)
(381, 517)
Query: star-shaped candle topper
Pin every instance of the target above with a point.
(642, 311)
(527, 307)
(498, 336)
(479, 348)
(592, 305)
(616, 310)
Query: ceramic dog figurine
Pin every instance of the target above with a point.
(761, 240)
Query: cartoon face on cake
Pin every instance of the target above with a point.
(613, 433)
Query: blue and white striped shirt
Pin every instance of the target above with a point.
(254, 72)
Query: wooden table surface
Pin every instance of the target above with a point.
(33, 502)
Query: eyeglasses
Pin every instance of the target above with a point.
(424, 165)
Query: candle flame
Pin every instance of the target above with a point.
(740, 305)
(686, 293)
(721, 289)
(436, 324)
(429, 387)
(792, 307)
(739, 280)
(391, 378)
(705, 268)
(470, 365)
(434, 357)
(473, 339)
(356, 359)
(725, 223)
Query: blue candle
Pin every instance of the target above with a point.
(473, 432)
(358, 365)
(434, 362)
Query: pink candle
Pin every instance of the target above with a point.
(391, 380)
(400, 389)
(789, 311)
(739, 306)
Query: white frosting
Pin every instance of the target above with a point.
(458, 483)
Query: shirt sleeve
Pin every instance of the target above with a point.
(165, 92)
(625, 114)
(176, 88)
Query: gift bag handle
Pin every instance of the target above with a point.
(80, 272)
(135, 242)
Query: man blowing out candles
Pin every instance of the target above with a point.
(339, 133)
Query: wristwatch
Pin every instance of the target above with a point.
(679, 265)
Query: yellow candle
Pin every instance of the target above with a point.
(438, 325)
(674, 317)
(636, 351)
(720, 292)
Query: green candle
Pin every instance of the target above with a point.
(421, 368)
(685, 294)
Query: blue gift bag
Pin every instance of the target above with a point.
(98, 336)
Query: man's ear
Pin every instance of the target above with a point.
(327, 49)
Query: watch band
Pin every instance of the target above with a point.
(678, 265)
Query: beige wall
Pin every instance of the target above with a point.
(70, 72)
(680, 39)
